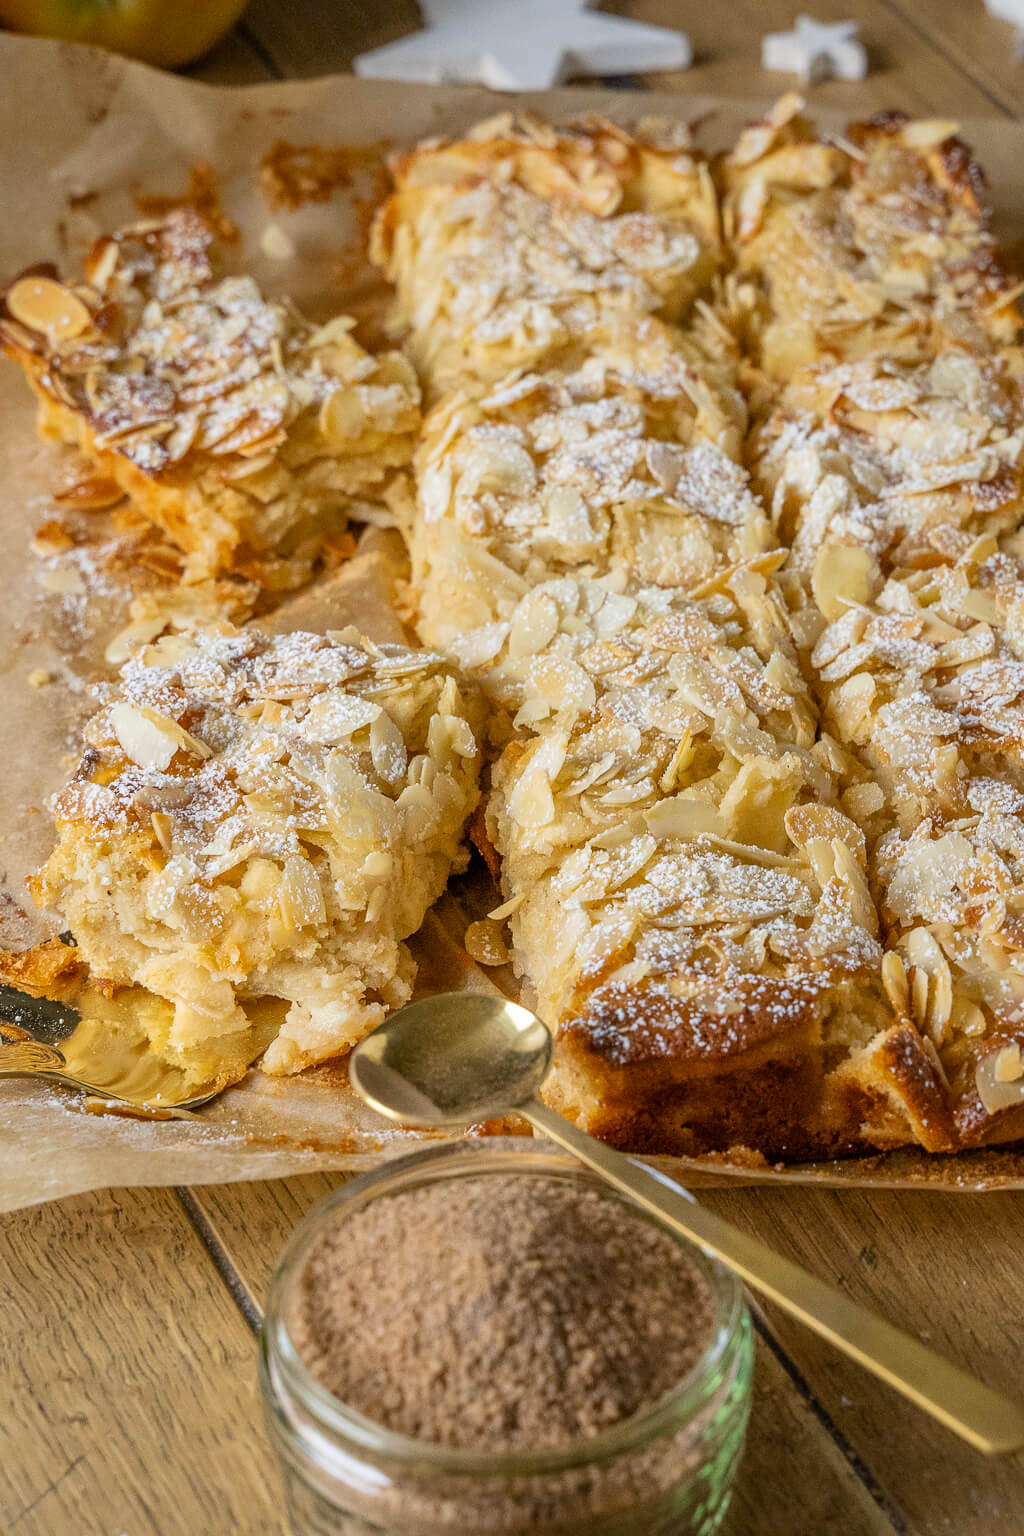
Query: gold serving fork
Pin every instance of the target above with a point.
(112, 1067)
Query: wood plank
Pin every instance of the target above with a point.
(237, 60)
(946, 1268)
(981, 46)
(252, 1222)
(128, 1379)
(906, 67)
(319, 37)
(794, 1478)
(774, 1491)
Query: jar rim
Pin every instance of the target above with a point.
(283, 1365)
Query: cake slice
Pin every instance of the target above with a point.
(688, 899)
(874, 241)
(624, 466)
(259, 818)
(923, 687)
(245, 432)
(890, 462)
(508, 246)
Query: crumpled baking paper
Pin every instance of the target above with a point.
(112, 130)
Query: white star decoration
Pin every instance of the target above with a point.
(814, 50)
(523, 45)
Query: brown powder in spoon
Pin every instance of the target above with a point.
(499, 1312)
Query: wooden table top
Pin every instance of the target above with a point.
(128, 1319)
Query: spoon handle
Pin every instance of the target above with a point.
(987, 1420)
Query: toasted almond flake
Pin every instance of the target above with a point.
(845, 575)
(1008, 1066)
(146, 741)
(894, 980)
(928, 132)
(994, 1092)
(64, 581)
(680, 760)
(94, 493)
(378, 865)
(485, 943)
(507, 908)
(151, 739)
(162, 828)
(47, 306)
(863, 800)
(387, 749)
(276, 243)
(683, 816)
(805, 822)
(301, 893)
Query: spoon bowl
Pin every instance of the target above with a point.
(452, 1060)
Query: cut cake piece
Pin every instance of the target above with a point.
(244, 431)
(508, 246)
(262, 817)
(924, 687)
(625, 466)
(891, 461)
(689, 902)
(873, 241)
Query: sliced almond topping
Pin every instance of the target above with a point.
(146, 742)
(997, 1092)
(91, 494)
(151, 739)
(485, 943)
(863, 800)
(683, 816)
(1008, 1066)
(806, 822)
(378, 865)
(47, 306)
(844, 574)
(387, 750)
(927, 132)
(162, 827)
(894, 980)
(277, 243)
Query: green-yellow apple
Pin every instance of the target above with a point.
(165, 32)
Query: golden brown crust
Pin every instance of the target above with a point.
(52, 969)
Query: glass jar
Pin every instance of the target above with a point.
(666, 1471)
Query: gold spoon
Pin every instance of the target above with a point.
(462, 1057)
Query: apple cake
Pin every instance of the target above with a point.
(261, 817)
(242, 430)
(506, 247)
(924, 685)
(718, 505)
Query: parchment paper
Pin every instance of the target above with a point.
(84, 133)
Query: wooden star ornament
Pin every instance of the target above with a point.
(523, 45)
(816, 50)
